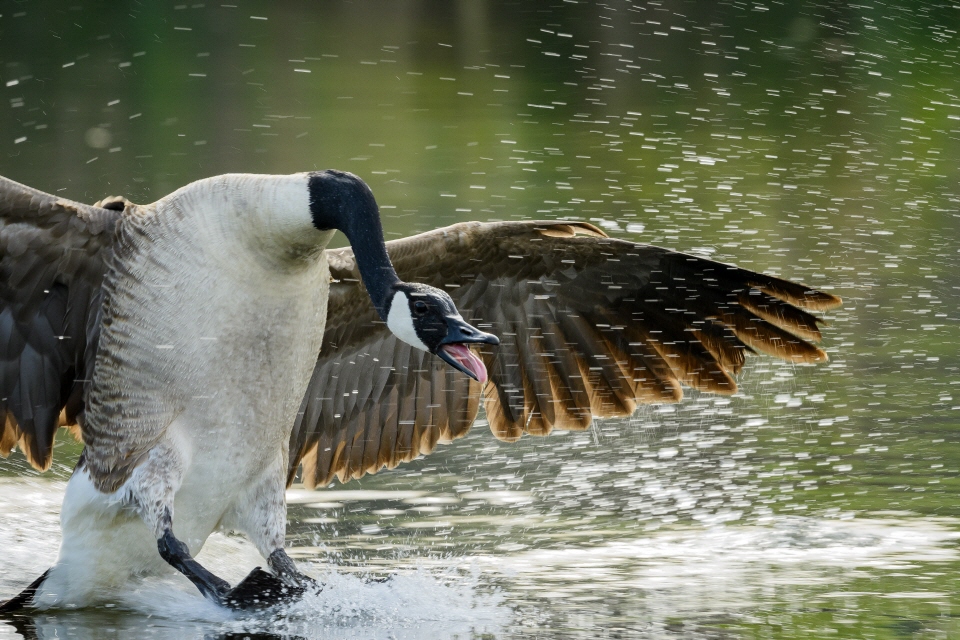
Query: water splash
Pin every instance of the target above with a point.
(423, 602)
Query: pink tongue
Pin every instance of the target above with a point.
(465, 357)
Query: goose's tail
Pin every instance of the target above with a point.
(23, 599)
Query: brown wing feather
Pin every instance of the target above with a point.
(589, 326)
(51, 267)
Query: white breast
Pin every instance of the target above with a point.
(214, 335)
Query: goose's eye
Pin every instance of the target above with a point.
(419, 307)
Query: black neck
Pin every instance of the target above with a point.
(344, 202)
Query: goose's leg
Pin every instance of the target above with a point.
(177, 555)
(285, 568)
(262, 515)
(152, 488)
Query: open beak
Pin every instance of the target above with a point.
(454, 349)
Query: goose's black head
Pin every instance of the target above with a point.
(426, 318)
(421, 316)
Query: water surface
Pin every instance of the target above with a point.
(814, 141)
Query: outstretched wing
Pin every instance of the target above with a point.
(589, 326)
(51, 267)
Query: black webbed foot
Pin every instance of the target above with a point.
(261, 590)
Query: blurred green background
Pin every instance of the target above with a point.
(813, 140)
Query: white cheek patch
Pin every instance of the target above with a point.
(400, 322)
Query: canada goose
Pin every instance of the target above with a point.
(180, 340)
